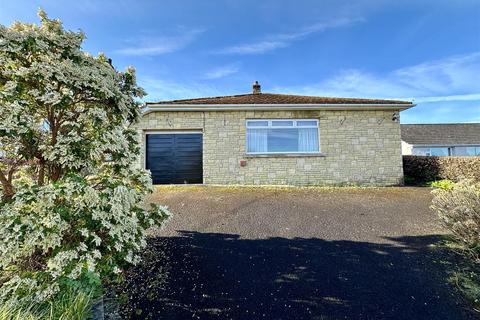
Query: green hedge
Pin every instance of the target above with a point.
(418, 169)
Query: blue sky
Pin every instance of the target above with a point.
(428, 51)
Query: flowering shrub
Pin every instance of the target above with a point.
(72, 198)
(458, 207)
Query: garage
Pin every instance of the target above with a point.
(174, 158)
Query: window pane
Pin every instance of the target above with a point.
(257, 140)
(282, 123)
(306, 123)
(282, 140)
(421, 151)
(308, 140)
(439, 151)
(470, 151)
(460, 151)
(464, 151)
(257, 123)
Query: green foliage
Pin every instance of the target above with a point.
(71, 305)
(420, 170)
(468, 282)
(444, 184)
(458, 207)
(72, 210)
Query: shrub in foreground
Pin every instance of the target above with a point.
(72, 209)
(458, 207)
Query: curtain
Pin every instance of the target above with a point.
(257, 140)
(308, 140)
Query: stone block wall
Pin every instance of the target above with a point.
(357, 147)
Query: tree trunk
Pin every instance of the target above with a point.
(7, 187)
(56, 173)
(8, 192)
(41, 173)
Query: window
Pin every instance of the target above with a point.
(282, 136)
(459, 151)
(467, 151)
(432, 151)
(440, 151)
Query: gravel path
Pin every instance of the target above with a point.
(313, 253)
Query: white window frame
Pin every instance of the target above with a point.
(269, 126)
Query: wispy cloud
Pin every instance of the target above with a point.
(161, 89)
(451, 79)
(282, 40)
(222, 72)
(152, 46)
(457, 97)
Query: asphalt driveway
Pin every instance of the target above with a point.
(295, 254)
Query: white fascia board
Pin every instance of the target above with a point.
(272, 107)
(445, 145)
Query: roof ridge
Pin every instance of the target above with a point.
(277, 98)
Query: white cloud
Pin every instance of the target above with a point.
(254, 48)
(222, 72)
(282, 40)
(162, 89)
(452, 79)
(152, 46)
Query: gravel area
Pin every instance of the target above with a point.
(294, 253)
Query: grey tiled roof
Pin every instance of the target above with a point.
(448, 134)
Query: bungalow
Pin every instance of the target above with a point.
(457, 139)
(273, 139)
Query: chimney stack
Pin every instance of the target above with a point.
(256, 88)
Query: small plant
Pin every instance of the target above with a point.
(444, 184)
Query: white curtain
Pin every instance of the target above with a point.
(257, 140)
(308, 140)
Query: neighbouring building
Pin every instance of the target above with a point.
(273, 139)
(457, 139)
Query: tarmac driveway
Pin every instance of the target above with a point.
(250, 253)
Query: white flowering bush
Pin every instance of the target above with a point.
(72, 199)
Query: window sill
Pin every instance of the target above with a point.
(284, 155)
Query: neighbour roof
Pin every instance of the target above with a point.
(441, 134)
(273, 98)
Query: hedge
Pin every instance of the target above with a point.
(420, 169)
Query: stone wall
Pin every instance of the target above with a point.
(357, 147)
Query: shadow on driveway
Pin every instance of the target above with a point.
(222, 276)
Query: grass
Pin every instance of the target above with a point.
(71, 305)
(468, 283)
(464, 273)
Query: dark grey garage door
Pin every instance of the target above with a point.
(175, 158)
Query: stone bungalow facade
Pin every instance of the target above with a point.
(273, 139)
